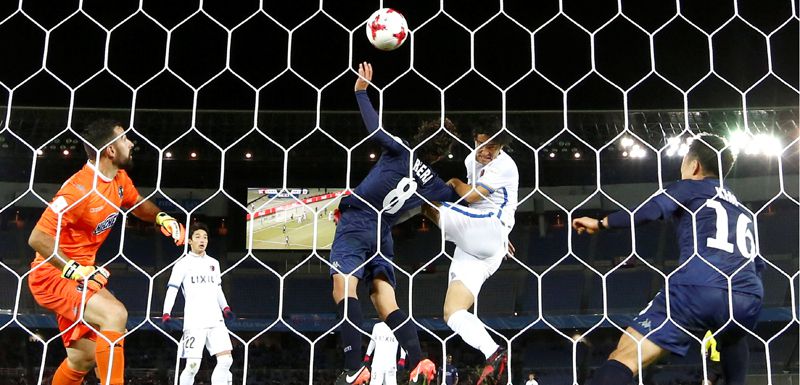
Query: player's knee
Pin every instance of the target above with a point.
(225, 361)
(117, 313)
(192, 366)
(81, 362)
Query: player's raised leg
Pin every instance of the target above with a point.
(623, 363)
(347, 306)
(404, 329)
(110, 316)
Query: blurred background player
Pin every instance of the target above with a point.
(480, 233)
(86, 219)
(698, 293)
(203, 326)
(383, 363)
(531, 379)
(388, 187)
(450, 371)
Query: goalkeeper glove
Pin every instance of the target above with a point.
(95, 277)
(171, 228)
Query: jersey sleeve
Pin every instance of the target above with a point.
(64, 198)
(438, 191)
(370, 116)
(130, 195)
(661, 206)
(495, 176)
(176, 277)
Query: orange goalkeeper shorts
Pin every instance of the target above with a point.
(63, 297)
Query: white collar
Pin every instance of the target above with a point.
(191, 253)
(97, 172)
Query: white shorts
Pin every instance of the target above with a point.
(214, 339)
(478, 232)
(383, 377)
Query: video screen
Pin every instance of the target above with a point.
(283, 219)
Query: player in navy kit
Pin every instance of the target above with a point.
(397, 183)
(698, 294)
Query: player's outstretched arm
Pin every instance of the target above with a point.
(368, 113)
(466, 191)
(149, 212)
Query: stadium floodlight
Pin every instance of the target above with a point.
(626, 142)
(168, 155)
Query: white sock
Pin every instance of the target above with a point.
(222, 374)
(472, 331)
(187, 375)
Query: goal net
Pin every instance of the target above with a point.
(242, 116)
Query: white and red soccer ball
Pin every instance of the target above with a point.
(387, 29)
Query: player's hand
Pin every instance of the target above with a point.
(167, 320)
(364, 76)
(585, 224)
(401, 364)
(96, 277)
(171, 228)
(337, 215)
(228, 313)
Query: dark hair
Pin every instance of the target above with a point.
(197, 226)
(489, 126)
(705, 147)
(440, 143)
(99, 134)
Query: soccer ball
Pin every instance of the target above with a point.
(387, 29)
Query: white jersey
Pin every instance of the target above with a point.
(385, 345)
(200, 279)
(501, 178)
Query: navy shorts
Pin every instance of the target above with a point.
(697, 309)
(356, 241)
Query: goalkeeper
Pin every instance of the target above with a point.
(81, 215)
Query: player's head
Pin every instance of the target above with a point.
(489, 139)
(701, 160)
(449, 358)
(439, 145)
(531, 376)
(108, 136)
(198, 237)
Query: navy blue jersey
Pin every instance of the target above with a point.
(396, 182)
(450, 374)
(724, 230)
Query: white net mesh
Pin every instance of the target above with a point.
(600, 100)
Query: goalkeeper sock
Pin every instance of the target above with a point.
(351, 337)
(103, 356)
(65, 375)
(472, 331)
(612, 372)
(406, 335)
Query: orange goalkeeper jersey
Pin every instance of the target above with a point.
(85, 225)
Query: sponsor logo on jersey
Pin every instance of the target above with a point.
(483, 171)
(202, 279)
(212, 267)
(106, 223)
(58, 205)
(96, 209)
(646, 323)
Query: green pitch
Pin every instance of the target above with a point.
(268, 233)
